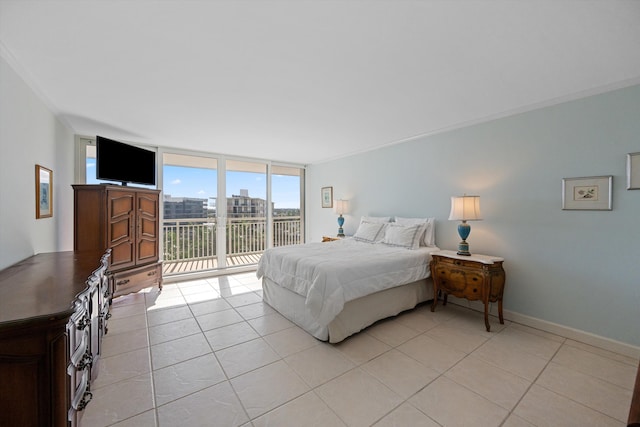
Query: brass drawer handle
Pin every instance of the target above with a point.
(123, 282)
(151, 273)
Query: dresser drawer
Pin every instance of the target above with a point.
(135, 279)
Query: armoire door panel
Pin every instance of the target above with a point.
(121, 204)
(122, 254)
(148, 206)
(148, 228)
(147, 250)
(120, 230)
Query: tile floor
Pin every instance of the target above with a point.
(211, 353)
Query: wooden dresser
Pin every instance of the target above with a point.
(53, 314)
(125, 220)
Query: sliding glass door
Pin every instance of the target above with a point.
(286, 192)
(190, 223)
(246, 211)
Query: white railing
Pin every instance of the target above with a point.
(195, 238)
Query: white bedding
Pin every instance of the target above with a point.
(330, 274)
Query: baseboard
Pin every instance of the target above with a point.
(555, 328)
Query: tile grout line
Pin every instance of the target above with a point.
(535, 380)
(153, 377)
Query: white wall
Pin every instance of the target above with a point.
(30, 135)
(579, 269)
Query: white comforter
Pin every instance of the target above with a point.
(330, 274)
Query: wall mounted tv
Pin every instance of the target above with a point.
(117, 161)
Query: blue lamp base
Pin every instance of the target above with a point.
(340, 224)
(463, 230)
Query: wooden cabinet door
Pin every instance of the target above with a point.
(120, 228)
(148, 218)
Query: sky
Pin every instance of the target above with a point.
(202, 183)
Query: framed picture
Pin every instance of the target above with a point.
(327, 197)
(44, 192)
(633, 171)
(588, 193)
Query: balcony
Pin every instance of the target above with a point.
(190, 245)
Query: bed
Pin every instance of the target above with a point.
(335, 289)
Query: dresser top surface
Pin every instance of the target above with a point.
(44, 284)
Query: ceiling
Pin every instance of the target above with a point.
(303, 81)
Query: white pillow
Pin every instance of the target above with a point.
(376, 219)
(429, 238)
(406, 236)
(369, 232)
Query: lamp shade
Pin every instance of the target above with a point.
(341, 206)
(465, 208)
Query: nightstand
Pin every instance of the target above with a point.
(475, 277)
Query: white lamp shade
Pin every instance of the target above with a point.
(465, 208)
(341, 206)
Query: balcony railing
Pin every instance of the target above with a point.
(193, 241)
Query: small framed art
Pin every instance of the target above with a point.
(327, 197)
(633, 171)
(44, 192)
(587, 193)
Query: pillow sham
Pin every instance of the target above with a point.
(376, 219)
(369, 232)
(406, 236)
(428, 239)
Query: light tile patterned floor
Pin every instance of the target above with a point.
(209, 352)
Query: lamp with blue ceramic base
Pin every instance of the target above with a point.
(464, 208)
(341, 207)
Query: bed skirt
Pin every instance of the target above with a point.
(355, 316)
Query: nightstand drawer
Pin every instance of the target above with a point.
(450, 262)
(461, 282)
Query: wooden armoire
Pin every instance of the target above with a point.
(127, 221)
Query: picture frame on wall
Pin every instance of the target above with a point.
(587, 193)
(44, 192)
(327, 197)
(633, 171)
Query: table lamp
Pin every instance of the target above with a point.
(464, 208)
(341, 206)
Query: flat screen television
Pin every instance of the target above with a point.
(124, 163)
